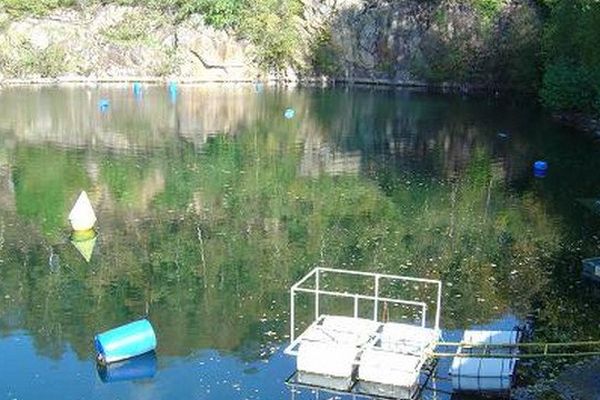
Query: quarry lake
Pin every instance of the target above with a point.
(213, 200)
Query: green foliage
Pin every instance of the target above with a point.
(218, 13)
(35, 7)
(488, 8)
(572, 55)
(324, 54)
(567, 87)
(18, 58)
(271, 26)
(134, 27)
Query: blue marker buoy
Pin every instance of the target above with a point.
(103, 104)
(289, 113)
(173, 89)
(127, 341)
(540, 169)
(140, 367)
(137, 88)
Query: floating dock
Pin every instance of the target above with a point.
(386, 340)
(380, 336)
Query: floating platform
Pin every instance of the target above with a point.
(376, 350)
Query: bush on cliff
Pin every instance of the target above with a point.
(572, 55)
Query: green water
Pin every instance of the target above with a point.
(211, 206)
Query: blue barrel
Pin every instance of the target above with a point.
(289, 113)
(140, 367)
(126, 341)
(137, 88)
(173, 87)
(103, 104)
(540, 169)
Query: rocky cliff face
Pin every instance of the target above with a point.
(434, 41)
(401, 41)
(115, 42)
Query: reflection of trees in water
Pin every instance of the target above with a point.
(262, 228)
(421, 190)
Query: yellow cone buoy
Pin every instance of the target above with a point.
(82, 216)
(84, 242)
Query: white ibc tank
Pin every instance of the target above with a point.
(389, 368)
(327, 359)
(485, 374)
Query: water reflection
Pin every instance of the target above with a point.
(85, 242)
(140, 367)
(210, 208)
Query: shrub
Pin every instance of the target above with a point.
(34, 7)
(19, 59)
(572, 55)
(324, 54)
(271, 26)
(567, 86)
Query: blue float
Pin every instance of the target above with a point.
(173, 87)
(137, 89)
(173, 91)
(103, 104)
(140, 367)
(289, 113)
(127, 341)
(540, 169)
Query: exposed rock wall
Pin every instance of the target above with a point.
(411, 41)
(399, 41)
(115, 42)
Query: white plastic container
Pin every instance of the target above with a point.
(330, 359)
(485, 374)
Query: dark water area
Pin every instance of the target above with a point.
(211, 205)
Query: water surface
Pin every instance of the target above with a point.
(212, 204)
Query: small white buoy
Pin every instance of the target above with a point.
(82, 216)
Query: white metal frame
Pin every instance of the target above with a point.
(318, 292)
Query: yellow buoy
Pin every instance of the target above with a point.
(82, 216)
(84, 242)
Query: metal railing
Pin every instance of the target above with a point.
(375, 297)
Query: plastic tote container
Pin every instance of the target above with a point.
(140, 367)
(126, 341)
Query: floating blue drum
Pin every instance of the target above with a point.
(137, 89)
(173, 91)
(540, 169)
(140, 367)
(103, 104)
(125, 342)
(173, 87)
(289, 113)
